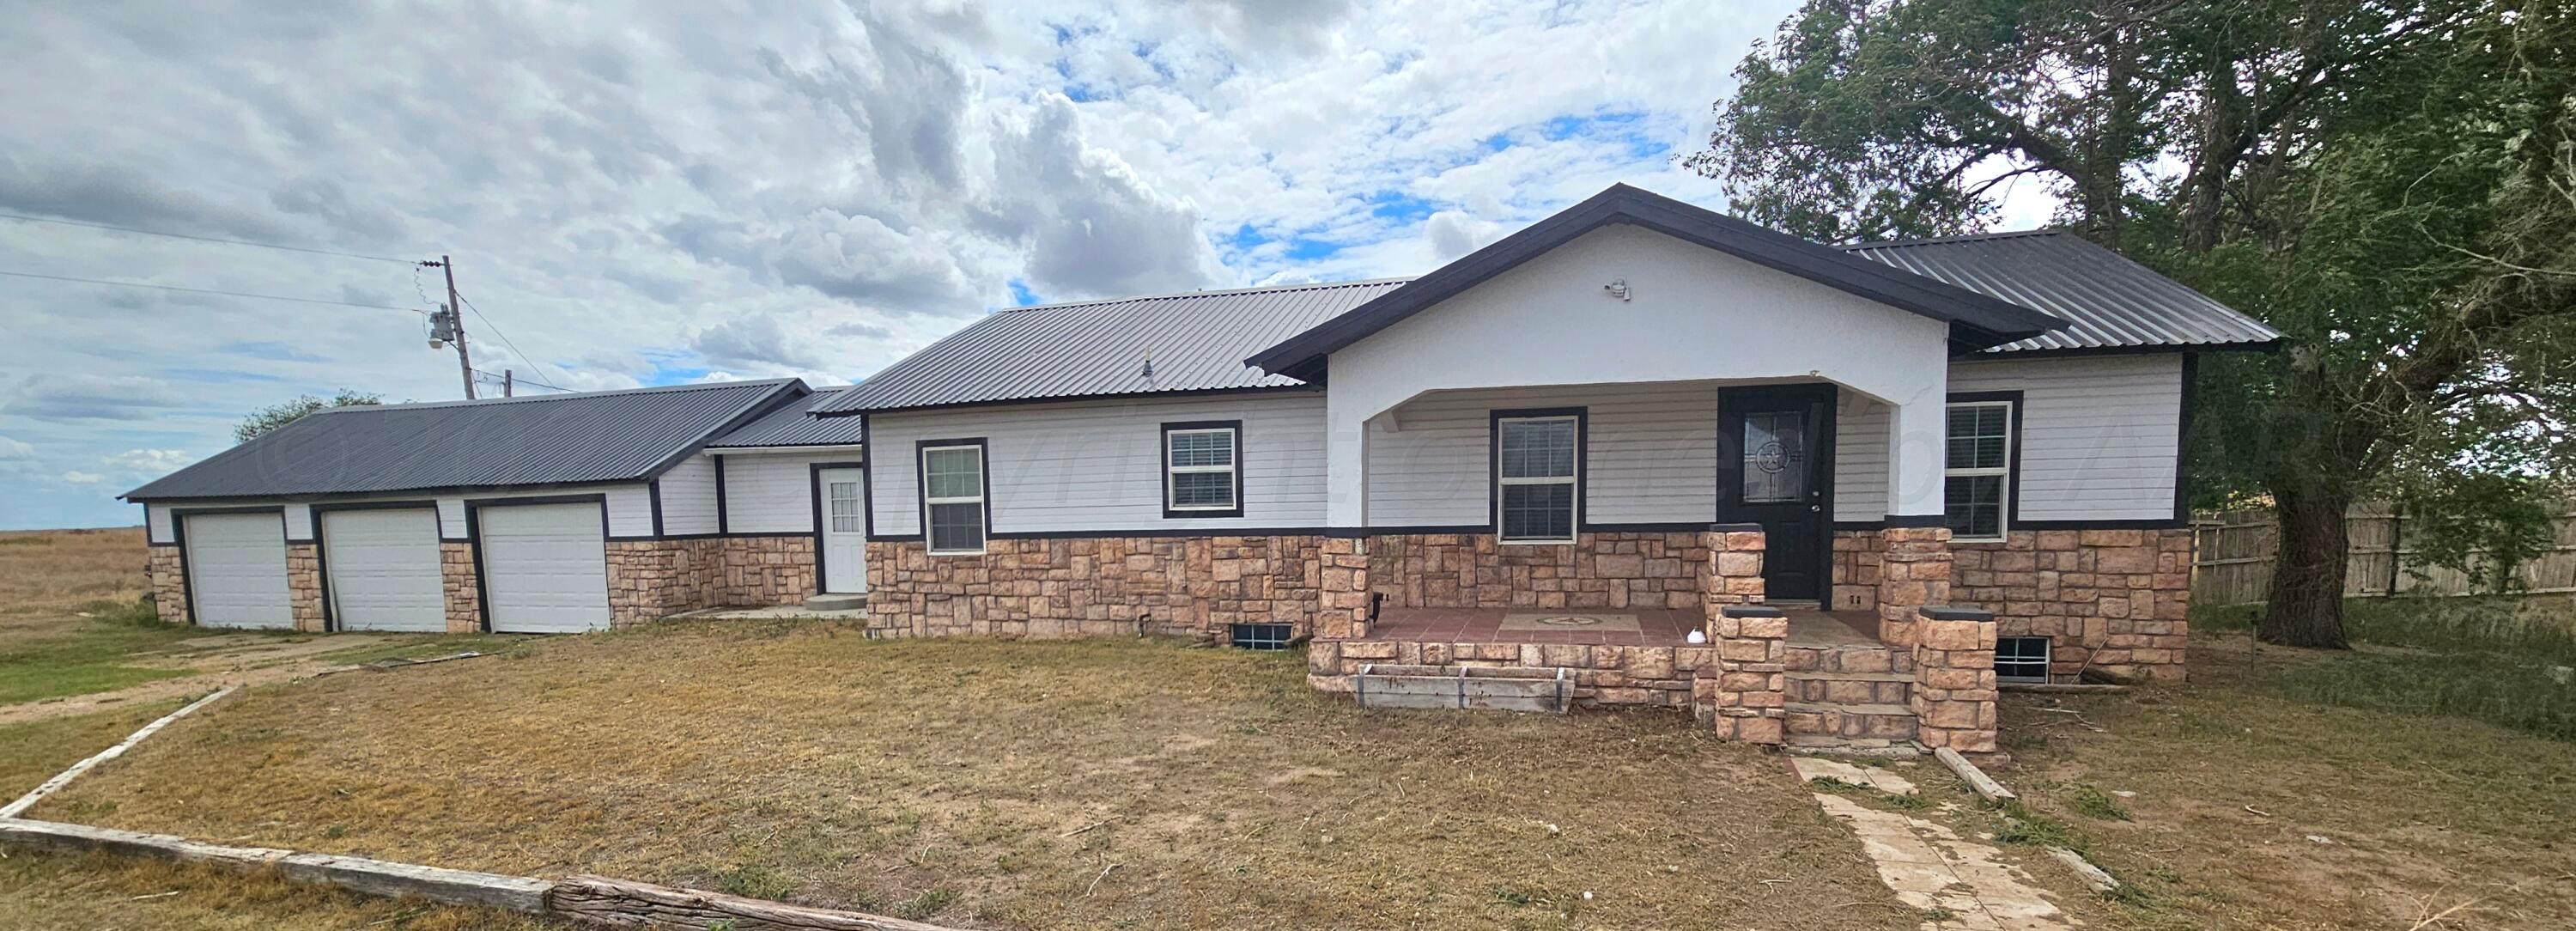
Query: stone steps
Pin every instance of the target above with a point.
(1849, 698)
(1879, 722)
(1850, 688)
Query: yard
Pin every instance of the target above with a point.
(1145, 784)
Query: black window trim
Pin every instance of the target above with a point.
(1494, 468)
(2012, 456)
(1171, 427)
(2047, 656)
(921, 491)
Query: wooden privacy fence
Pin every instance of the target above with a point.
(2233, 551)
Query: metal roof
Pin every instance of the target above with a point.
(795, 425)
(1977, 320)
(2107, 301)
(539, 440)
(1096, 349)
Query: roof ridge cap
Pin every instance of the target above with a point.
(1212, 292)
(1962, 237)
(559, 396)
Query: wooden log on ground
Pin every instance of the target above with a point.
(1984, 785)
(619, 903)
(64, 778)
(358, 874)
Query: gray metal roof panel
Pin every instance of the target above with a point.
(1197, 341)
(539, 440)
(795, 425)
(2107, 301)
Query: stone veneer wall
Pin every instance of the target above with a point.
(456, 578)
(304, 585)
(1598, 570)
(2115, 600)
(653, 579)
(1913, 570)
(169, 585)
(1062, 587)
(1857, 555)
(761, 571)
(1604, 676)
(1954, 695)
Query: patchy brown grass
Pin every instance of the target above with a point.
(47, 573)
(2234, 782)
(41, 890)
(1036, 785)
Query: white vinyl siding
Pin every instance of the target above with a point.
(774, 492)
(1098, 465)
(2099, 435)
(1860, 459)
(1653, 455)
(689, 497)
(630, 509)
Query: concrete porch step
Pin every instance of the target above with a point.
(1849, 689)
(1820, 745)
(836, 602)
(1874, 721)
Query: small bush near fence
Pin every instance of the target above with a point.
(2508, 661)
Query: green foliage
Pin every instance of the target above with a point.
(134, 612)
(2506, 661)
(2016, 824)
(274, 416)
(755, 881)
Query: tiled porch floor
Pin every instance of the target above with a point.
(1655, 627)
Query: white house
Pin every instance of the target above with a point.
(535, 514)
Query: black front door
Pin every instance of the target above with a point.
(1773, 449)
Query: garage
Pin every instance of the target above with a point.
(237, 569)
(545, 566)
(383, 571)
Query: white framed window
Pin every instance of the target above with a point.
(2021, 659)
(1537, 466)
(1202, 469)
(845, 500)
(952, 498)
(1977, 481)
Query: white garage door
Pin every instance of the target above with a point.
(545, 567)
(237, 570)
(384, 569)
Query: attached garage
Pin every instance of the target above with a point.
(545, 566)
(237, 569)
(381, 567)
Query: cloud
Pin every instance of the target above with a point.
(148, 461)
(90, 397)
(756, 340)
(15, 451)
(83, 478)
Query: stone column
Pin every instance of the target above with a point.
(169, 586)
(304, 585)
(456, 577)
(1954, 679)
(1914, 571)
(1343, 609)
(1734, 566)
(1749, 694)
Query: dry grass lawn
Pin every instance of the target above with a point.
(2256, 811)
(1022, 785)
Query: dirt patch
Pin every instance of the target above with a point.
(247, 667)
(971, 783)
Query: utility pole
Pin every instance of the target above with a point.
(456, 317)
(506, 377)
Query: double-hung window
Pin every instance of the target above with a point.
(952, 497)
(1536, 459)
(1977, 485)
(1202, 471)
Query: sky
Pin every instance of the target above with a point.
(668, 193)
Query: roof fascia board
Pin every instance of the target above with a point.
(1070, 399)
(787, 392)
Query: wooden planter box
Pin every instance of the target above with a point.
(1473, 688)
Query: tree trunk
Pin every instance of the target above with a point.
(2307, 573)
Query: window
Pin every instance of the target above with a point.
(1201, 472)
(844, 498)
(1977, 488)
(952, 498)
(2021, 659)
(1775, 457)
(1535, 461)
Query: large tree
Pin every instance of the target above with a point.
(2388, 183)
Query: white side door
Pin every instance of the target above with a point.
(845, 530)
(384, 569)
(237, 570)
(545, 567)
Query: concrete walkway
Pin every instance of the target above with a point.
(1930, 867)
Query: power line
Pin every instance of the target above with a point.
(487, 375)
(505, 337)
(235, 242)
(165, 287)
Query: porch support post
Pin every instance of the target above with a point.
(1914, 571)
(1917, 454)
(1954, 679)
(1748, 697)
(1344, 611)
